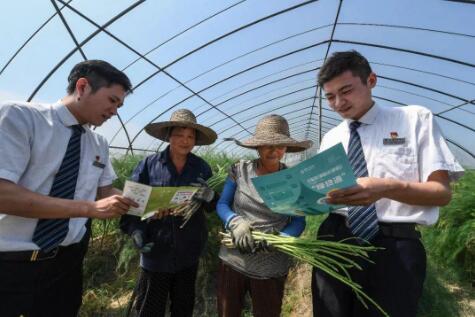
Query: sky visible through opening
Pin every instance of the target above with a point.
(232, 62)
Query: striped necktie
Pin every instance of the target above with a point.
(362, 220)
(49, 233)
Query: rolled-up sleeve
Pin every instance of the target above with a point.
(15, 143)
(433, 151)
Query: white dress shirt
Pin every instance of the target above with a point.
(33, 141)
(402, 143)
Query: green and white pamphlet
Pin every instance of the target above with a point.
(301, 189)
(150, 199)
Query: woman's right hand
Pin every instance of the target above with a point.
(241, 234)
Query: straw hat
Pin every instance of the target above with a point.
(274, 130)
(182, 118)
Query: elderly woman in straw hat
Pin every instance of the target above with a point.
(169, 251)
(241, 209)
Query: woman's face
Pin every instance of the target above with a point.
(271, 155)
(182, 140)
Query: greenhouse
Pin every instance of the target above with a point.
(232, 63)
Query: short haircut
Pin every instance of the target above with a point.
(99, 74)
(340, 62)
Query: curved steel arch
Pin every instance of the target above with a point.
(29, 39)
(86, 40)
(173, 89)
(162, 70)
(229, 77)
(312, 113)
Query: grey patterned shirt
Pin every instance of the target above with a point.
(249, 205)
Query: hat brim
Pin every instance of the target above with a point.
(159, 130)
(276, 140)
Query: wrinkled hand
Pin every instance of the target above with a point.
(241, 234)
(138, 240)
(110, 207)
(367, 191)
(162, 213)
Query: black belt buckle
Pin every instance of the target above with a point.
(38, 255)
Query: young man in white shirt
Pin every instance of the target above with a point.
(55, 173)
(403, 166)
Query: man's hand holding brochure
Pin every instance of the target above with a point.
(302, 189)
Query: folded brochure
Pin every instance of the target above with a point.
(301, 189)
(150, 199)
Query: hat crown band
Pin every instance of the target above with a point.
(268, 135)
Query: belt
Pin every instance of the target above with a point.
(37, 255)
(399, 230)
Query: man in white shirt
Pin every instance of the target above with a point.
(403, 167)
(55, 173)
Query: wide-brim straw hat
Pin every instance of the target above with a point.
(273, 130)
(182, 118)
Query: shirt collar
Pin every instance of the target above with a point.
(65, 116)
(369, 117)
(164, 155)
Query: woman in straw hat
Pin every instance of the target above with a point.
(241, 209)
(170, 251)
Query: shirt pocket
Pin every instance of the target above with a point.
(398, 162)
(93, 176)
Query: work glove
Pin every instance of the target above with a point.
(241, 234)
(139, 242)
(204, 193)
(262, 246)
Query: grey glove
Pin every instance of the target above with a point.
(138, 239)
(204, 193)
(262, 246)
(241, 234)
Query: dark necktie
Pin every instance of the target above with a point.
(49, 233)
(362, 220)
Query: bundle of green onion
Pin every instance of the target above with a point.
(333, 258)
(216, 181)
(186, 210)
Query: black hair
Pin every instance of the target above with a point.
(99, 74)
(340, 62)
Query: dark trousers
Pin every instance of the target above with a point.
(49, 288)
(266, 294)
(156, 287)
(394, 281)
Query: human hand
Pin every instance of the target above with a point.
(241, 234)
(262, 246)
(110, 207)
(161, 213)
(367, 191)
(204, 193)
(138, 240)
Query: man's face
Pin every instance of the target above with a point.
(182, 140)
(98, 107)
(348, 96)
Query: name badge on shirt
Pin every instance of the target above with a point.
(394, 139)
(97, 163)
